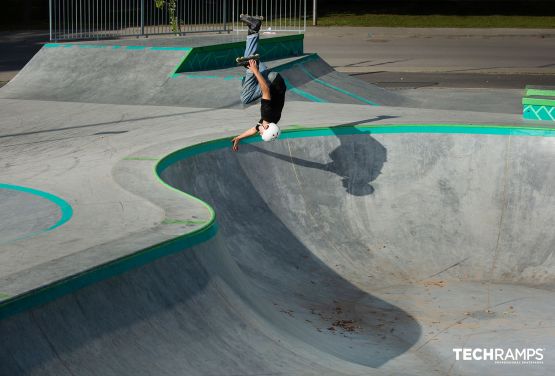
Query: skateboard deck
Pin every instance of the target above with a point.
(245, 59)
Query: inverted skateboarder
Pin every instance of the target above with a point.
(259, 82)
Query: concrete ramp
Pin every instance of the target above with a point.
(158, 72)
(341, 251)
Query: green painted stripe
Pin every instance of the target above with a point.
(60, 45)
(539, 102)
(171, 48)
(299, 63)
(176, 68)
(92, 46)
(65, 208)
(73, 283)
(305, 94)
(291, 64)
(172, 221)
(326, 84)
(541, 92)
(100, 46)
(302, 93)
(4, 296)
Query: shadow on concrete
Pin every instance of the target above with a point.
(116, 122)
(357, 160)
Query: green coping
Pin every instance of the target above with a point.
(538, 101)
(43, 295)
(300, 132)
(4, 296)
(541, 92)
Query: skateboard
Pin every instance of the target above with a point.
(245, 59)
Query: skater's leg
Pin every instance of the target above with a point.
(252, 44)
(251, 89)
(252, 47)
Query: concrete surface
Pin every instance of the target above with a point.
(146, 77)
(417, 239)
(424, 241)
(503, 51)
(29, 214)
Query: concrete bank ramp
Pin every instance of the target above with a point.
(152, 75)
(348, 253)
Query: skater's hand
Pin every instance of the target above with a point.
(235, 142)
(253, 66)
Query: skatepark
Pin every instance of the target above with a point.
(383, 229)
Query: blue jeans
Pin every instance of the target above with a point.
(250, 87)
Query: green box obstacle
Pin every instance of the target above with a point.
(539, 103)
(220, 56)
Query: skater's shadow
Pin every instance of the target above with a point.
(358, 159)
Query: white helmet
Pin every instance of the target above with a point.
(271, 133)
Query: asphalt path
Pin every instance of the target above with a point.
(458, 58)
(409, 80)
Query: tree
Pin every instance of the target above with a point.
(171, 6)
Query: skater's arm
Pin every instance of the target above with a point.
(261, 81)
(245, 134)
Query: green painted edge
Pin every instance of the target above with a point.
(102, 272)
(71, 284)
(343, 91)
(65, 208)
(539, 102)
(115, 47)
(173, 221)
(303, 93)
(171, 48)
(201, 50)
(180, 64)
(540, 92)
(300, 132)
(301, 60)
(4, 296)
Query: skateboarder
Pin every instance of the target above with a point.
(259, 82)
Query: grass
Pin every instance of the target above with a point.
(398, 20)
